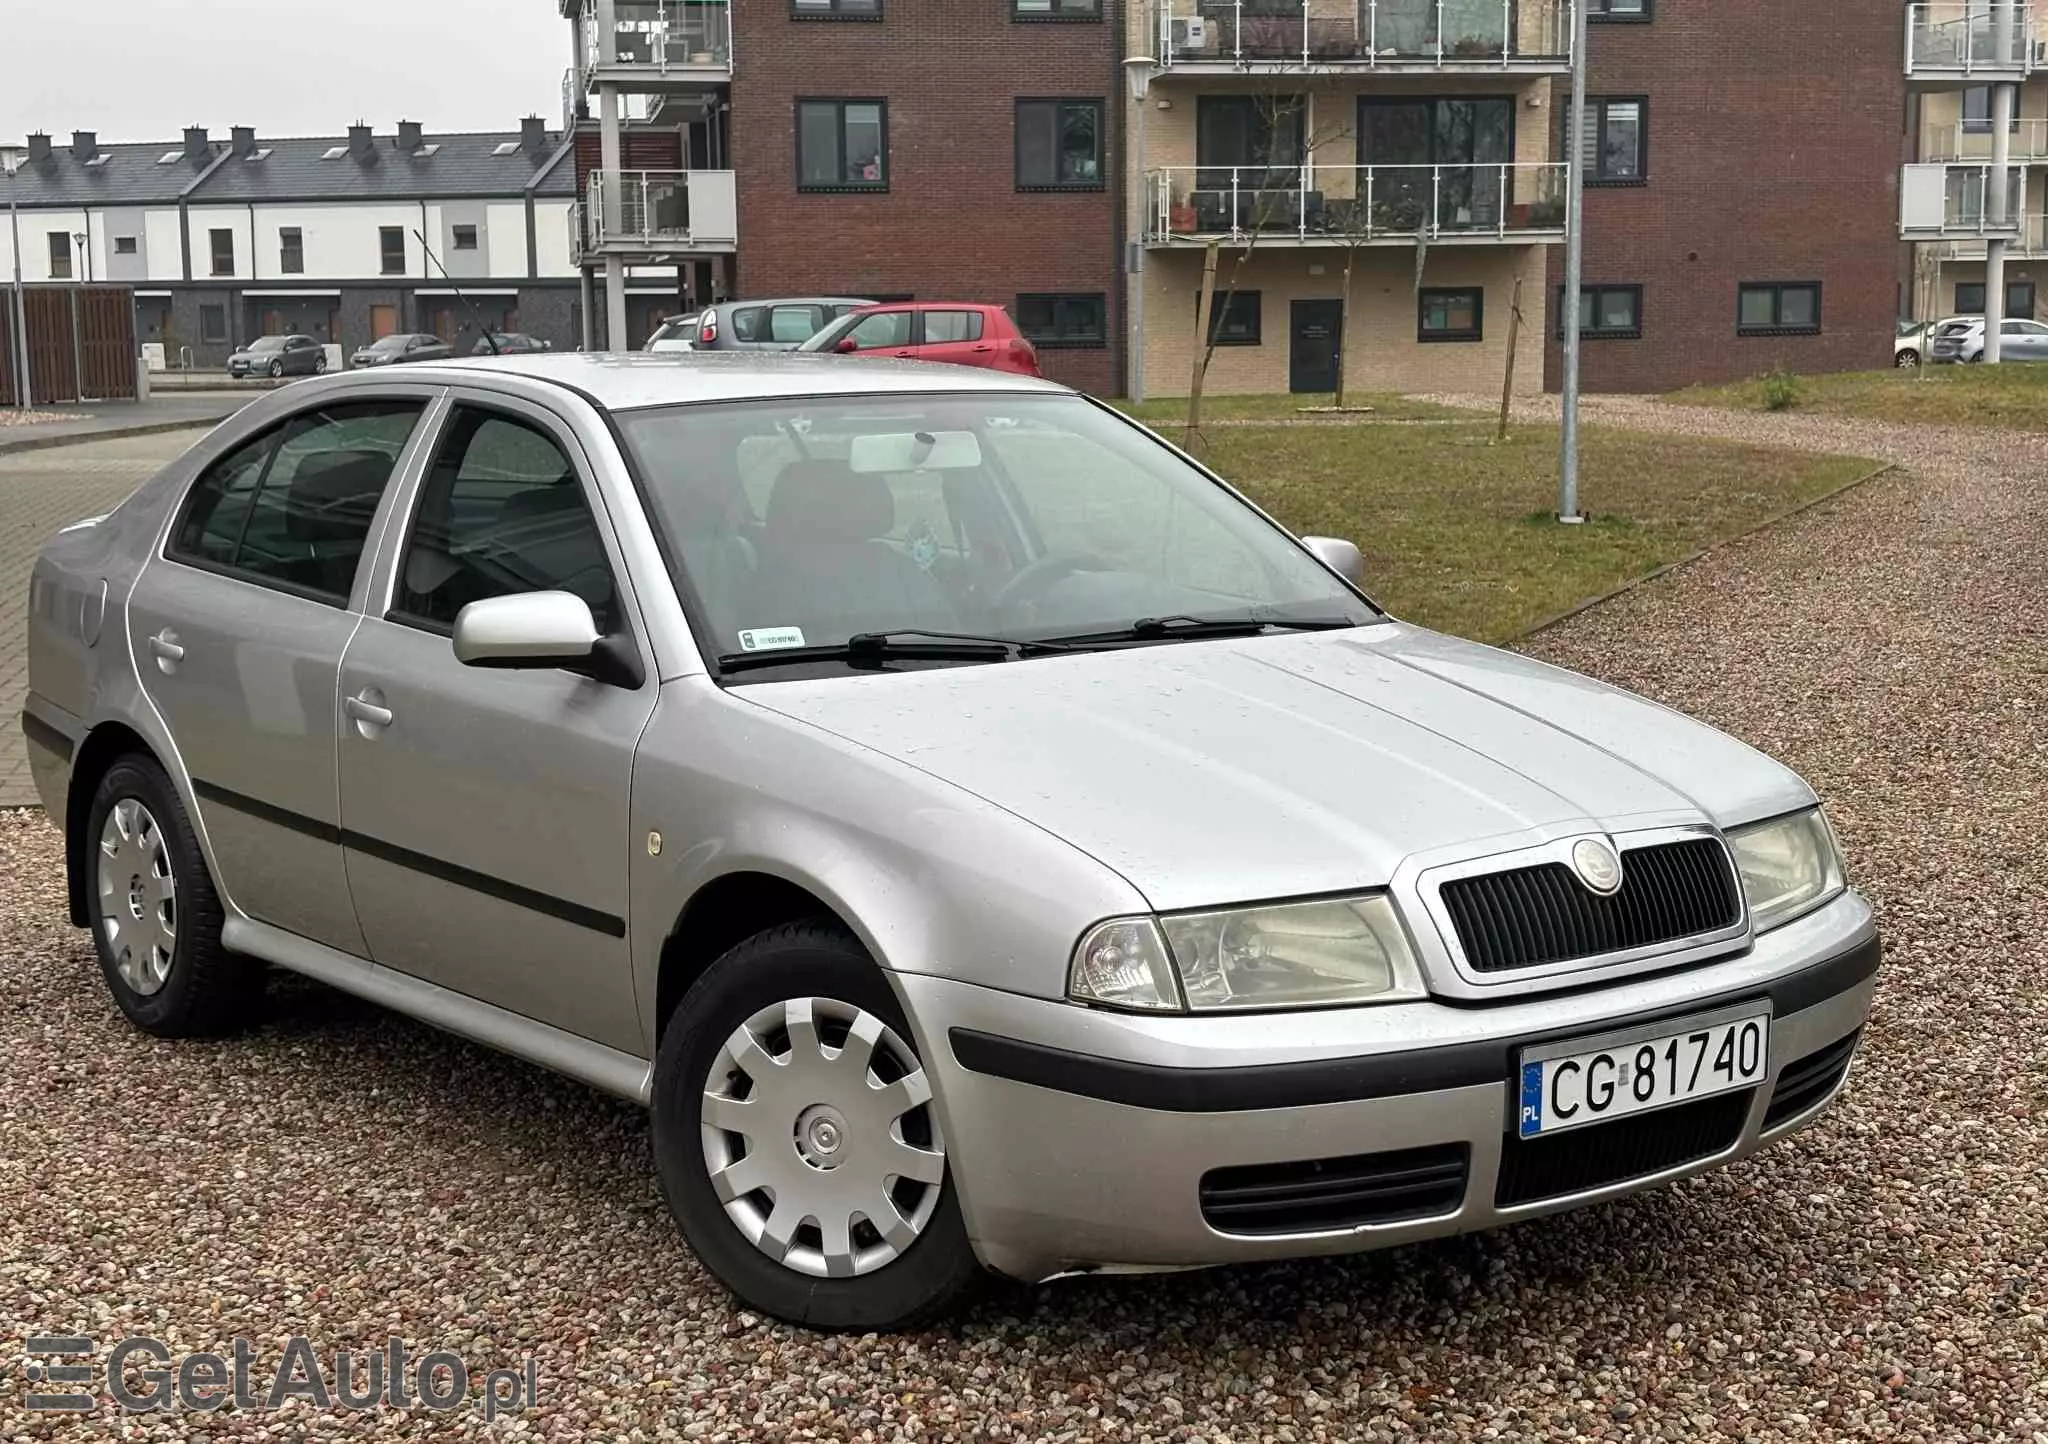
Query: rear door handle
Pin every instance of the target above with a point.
(169, 651)
(980, 349)
(367, 708)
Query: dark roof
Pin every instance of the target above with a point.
(130, 176)
(446, 167)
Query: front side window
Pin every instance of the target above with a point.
(804, 522)
(501, 512)
(1064, 321)
(291, 246)
(1613, 148)
(1059, 144)
(391, 249)
(866, 330)
(1778, 308)
(842, 145)
(1447, 314)
(292, 509)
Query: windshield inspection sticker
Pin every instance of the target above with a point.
(770, 639)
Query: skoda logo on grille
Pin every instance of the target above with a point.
(1597, 865)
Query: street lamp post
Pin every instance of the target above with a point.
(10, 161)
(1138, 71)
(84, 244)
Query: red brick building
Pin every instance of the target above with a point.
(973, 96)
(1757, 225)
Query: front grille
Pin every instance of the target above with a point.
(1327, 1193)
(1532, 1169)
(1808, 1080)
(1530, 916)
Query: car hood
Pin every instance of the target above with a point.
(1233, 770)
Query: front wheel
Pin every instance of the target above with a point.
(1907, 359)
(320, 364)
(276, 369)
(797, 1141)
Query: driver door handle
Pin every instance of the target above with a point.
(363, 709)
(167, 647)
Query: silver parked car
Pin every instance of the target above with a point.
(982, 837)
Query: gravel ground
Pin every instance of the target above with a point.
(15, 416)
(349, 1175)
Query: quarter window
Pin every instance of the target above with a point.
(292, 509)
(501, 512)
(1450, 315)
(1778, 308)
(1073, 322)
(1059, 144)
(1614, 147)
(842, 144)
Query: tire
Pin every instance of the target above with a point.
(276, 370)
(176, 981)
(320, 364)
(816, 969)
(1907, 359)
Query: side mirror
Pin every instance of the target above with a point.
(846, 344)
(1340, 556)
(538, 631)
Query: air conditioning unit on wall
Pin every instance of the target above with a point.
(1189, 32)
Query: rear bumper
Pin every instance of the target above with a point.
(1081, 1139)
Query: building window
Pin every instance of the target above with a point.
(1617, 9)
(213, 323)
(1613, 313)
(835, 9)
(1055, 9)
(1071, 323)
(124, 245)
(291, 250)
(1450, 315)
(60, 255)
(1615, 148)
(1778, 308)
(1977, 111)
(222, 244)
(465, 238)
(842, 145)
(1059, 145)
(1233, 317)
(1256, 140)
(391, 249)
(2019, 299)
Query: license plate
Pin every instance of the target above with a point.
(1591, 1080)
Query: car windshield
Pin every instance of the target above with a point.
(682, 326)
(390, 343)
(268, 343)
(802, 523)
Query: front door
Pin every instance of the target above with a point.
(238, 630)
(1313, 338)
(486, 812)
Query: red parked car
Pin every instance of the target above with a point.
(961, 333)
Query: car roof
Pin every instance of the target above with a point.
(792, 301)
(626, 381)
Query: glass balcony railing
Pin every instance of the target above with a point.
(664, 36)
(1347, 204)
(2031, 244)
(1939, 200)
(1532, 34)
(663, 210)
(1947, 38)
(2026, 141)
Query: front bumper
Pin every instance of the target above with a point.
(1080, 1138)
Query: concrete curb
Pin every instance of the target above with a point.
(1765, 525)
(9, 446)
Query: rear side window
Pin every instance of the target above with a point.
(941, 327)
(794, 323)
(292, 509)
(501, 512)
(746, 323)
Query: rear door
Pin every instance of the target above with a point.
(238, 629)
(958, 337)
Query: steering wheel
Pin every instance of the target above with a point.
(1035, 579)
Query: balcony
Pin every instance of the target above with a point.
(2028, 141)
(1341, 205)
(659, 44)
(1951, 40)
(1224, 37)
(662, 213)
(1940, 202)
(2032, 244)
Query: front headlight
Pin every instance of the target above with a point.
(1289, 955)
(1788, 866)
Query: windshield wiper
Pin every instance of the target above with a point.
(907, 644)
(1174, 628)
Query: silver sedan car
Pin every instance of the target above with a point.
(982, 838)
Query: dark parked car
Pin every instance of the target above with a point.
(509, 343)
(279, 356)
(402, 346)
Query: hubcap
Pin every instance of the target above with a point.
(138, 903)
(819, 1138)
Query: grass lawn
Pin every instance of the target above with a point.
(1458, 534)
(2013, 396)
(1171, 412)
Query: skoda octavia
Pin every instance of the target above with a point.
(982, 838)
